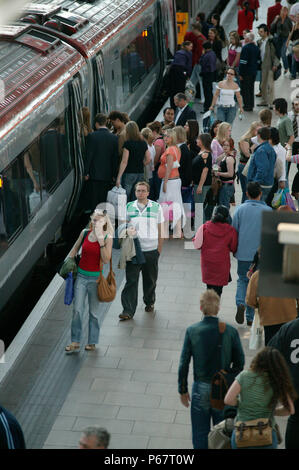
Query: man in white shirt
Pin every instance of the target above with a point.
(146, 220)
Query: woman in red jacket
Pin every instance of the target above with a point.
(216, 239)
(245, 19)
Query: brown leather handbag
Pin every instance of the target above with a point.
(106, 286)
(254, 433)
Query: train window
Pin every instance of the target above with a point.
(30, 167)
(55, 155)
(138, 59)
(10, 205)
(27, 183)
(101, 104)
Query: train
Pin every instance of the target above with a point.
(56, 58)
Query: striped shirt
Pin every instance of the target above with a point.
(255, 397)
(295, 159)
(145, 222)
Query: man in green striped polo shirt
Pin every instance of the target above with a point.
(146, 220)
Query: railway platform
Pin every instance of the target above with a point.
(129, 384)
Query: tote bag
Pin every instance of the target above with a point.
(256, 340)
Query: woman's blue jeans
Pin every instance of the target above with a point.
(272, 446)
(294, 67)
(86, 286)
(281, 50)
(226, 192)
(242, 283)
(128, 182)
(226, 114)
(199, 200)
(201, 414)
(243, 181)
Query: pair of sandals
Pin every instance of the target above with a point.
(75, 347)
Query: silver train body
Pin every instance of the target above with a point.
(61, 57)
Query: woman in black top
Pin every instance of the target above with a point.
(226, 174)
(202, 174)
(215, 20)
(192, 129)
(216, 42)
(217, 45)
(135, 156)
(280, 29)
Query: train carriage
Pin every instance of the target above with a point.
(53, 61)
(56, 58)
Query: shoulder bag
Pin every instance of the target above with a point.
(221, 380)
(253, 433)
(106, 286)
(246, 167)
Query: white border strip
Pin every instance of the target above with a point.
(42, 307)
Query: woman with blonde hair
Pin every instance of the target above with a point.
(245, 152)
(234, 49)
(159, 144)
(86, 121)
(148, 136)
(96, 244)
(223, 133)
(135, 157)
(226, 173)
(170, 191)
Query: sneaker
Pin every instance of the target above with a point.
(150, 308)
(258, 95)
(240, 314)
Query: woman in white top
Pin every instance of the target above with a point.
(225, 94)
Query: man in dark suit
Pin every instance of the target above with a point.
(249, 63)
(101, 162)
(183, 111)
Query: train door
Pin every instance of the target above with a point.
(100, 95)
(162, 41)
(77, 139)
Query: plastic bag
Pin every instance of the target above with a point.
(190, 91)
(290, 202)
(69, 289)
(207, 121)
(256, 340)
(118, 198)
(279, 198)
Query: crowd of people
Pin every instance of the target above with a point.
(177, 177)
